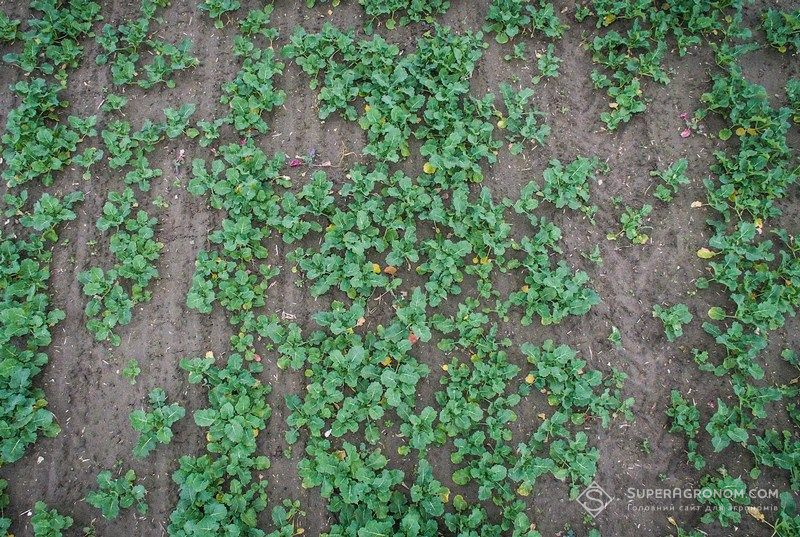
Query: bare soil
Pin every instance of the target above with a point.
(91, 400)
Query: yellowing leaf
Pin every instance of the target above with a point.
(386, 361)
(716, 313)
(429, 168)
(696, 204)
(376, 268)
(740, 131)
(705, 253)
(530, 378)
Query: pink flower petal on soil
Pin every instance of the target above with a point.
(295, 162)
(686, 133)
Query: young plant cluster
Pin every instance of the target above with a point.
(51, 44)
(424, 94)
(723, 493)
(216, 9)
(407, 11)
(508, 19)
(476, 408)
(782, 29)
(155, 426)
(252, 92)
(115, 494)
(636, 43)
(36, 144)
(565, 186)
(522, 122)
(673, 319)
(48, 522)
(126, 148)
(124, 48)
(671, 180)
(632, 222)
(686, 420)
(27, 317)
(360, 380)
(355, 383)
(380, 230)
(757, 266)
(550, 293)
(547, 62)
(221, 491)
(113, 293)
(242, 182)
